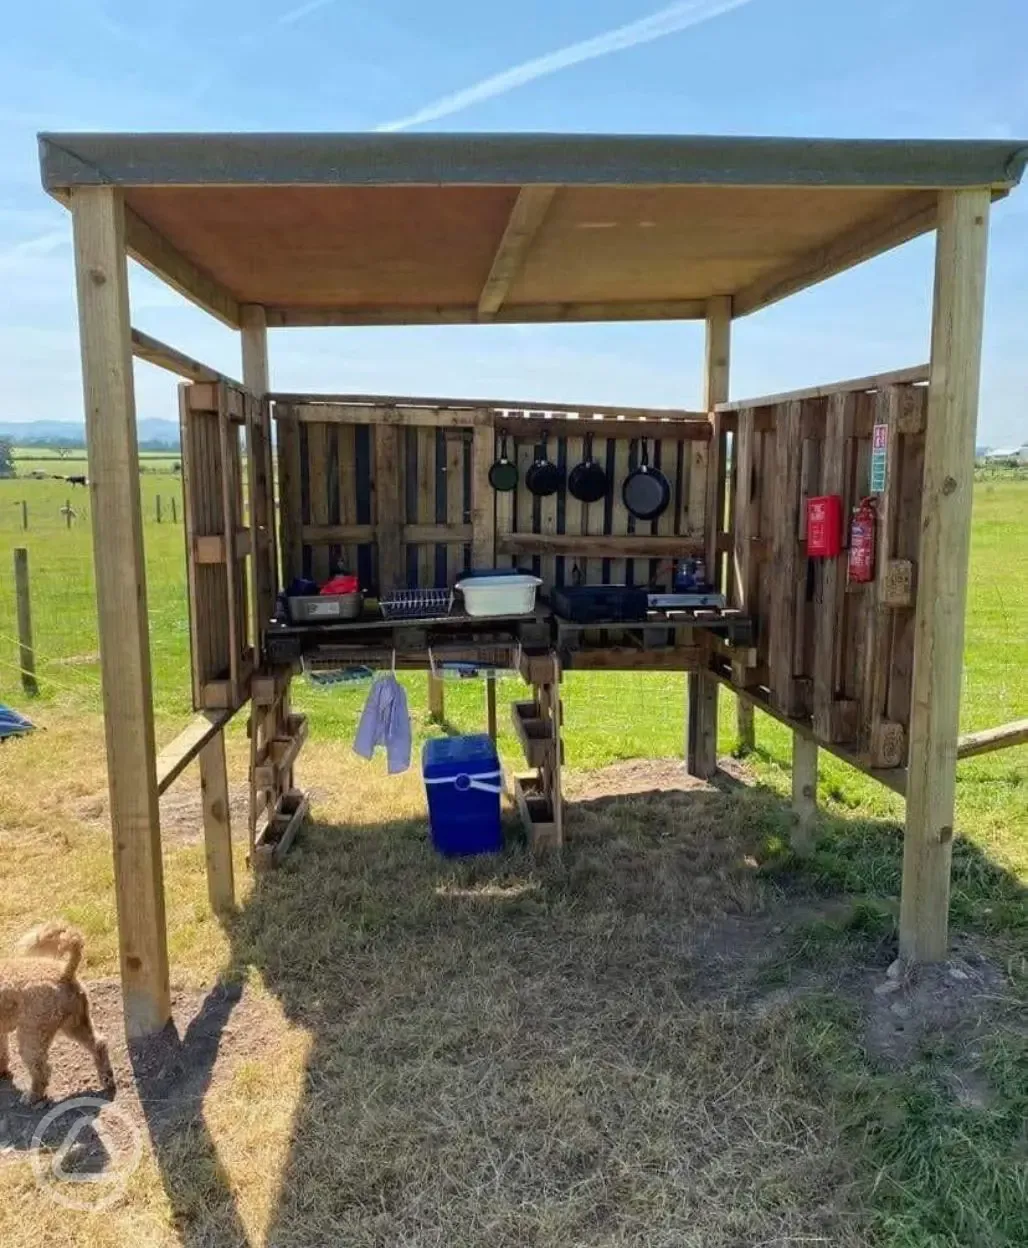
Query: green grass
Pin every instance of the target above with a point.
(929, 1171)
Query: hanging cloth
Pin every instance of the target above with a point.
(385, 721)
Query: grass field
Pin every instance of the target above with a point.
(671, 1037)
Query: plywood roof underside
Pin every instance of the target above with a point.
(394, 229)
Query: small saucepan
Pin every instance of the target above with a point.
(543, 476)
(588, 480)
(503, 475)
(646, 491)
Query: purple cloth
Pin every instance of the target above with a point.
(385, 721)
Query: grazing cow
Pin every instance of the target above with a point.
(76, 480)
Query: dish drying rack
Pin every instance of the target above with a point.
(416, 604)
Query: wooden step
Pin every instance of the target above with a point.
(534, 732)
(281, 753)
(535, 810)
(280, 831)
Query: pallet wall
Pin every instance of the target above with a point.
(565, 541)
(400, 495)
(836, 653)
(231, 559)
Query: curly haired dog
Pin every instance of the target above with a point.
(40, 996)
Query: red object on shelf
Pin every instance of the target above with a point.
(862, 542)
(340, 585)
(824, 526)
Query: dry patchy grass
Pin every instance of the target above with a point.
(652, 1041)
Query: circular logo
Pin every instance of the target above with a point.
(462, 783)
(86, 1162)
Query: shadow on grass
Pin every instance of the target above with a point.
(507, 1051)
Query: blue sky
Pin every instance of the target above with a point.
(872, 68)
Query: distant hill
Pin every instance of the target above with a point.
(152, 433)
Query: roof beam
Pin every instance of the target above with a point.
(914, 214)
(526, 217)
(160, 354)
(520, 159)
(508, 314)
(154, 252)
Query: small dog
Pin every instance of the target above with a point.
(40, 996)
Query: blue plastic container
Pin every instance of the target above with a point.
(463, 783)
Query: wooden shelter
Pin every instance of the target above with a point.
(273, 231)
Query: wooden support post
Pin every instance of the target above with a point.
(110, 409)
(68, 513)
(701, 733)
(26, 651)
(217, 828)
(158, 509)
(24, 514)
(436, 698)
(490, 706)
(254, 345)
(960, 252)
(255, 349)
(174, 510)
(804, 791)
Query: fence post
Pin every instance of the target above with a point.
(25, 514)
(67, 513)
(26, 652)
(174, 510)
(436, 698)
(158, 508)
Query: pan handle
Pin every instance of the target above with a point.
(588, 456)
(645, 458)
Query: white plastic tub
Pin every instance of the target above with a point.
(499, 595)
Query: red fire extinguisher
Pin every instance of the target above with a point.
(862, 542)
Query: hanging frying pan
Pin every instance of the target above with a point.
(543, 476)
(503, 474)
(588, 480)
(646, 491)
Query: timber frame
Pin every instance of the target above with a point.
(272, 231)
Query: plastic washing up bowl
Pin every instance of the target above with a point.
(499, 595)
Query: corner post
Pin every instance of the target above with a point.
(213, 771)
(957, 313)
(701, 731)
(254, 335)
(98, 219)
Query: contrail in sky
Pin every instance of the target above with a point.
(666, 21)
(301, 11)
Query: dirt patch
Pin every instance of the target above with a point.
(951, 1001)
(181, 811)
(646, 775)
(160, 1081)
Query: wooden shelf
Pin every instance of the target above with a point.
(280, 831)
(535, 810)
(281, 753)
(534, 732)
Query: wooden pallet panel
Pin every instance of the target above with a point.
(785, 555)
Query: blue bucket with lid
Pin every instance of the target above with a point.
(463, 784)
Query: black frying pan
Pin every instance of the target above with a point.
(588, 480)
(503, 474)
(543, 476)
(646, 491)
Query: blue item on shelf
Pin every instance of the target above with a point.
(463, 784)
(302, 587)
